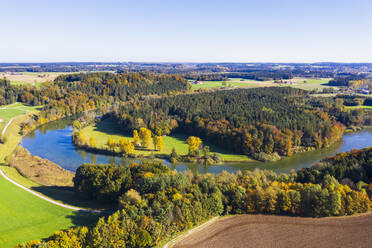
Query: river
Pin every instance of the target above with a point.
(53, 142)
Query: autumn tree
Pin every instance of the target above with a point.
(145, 136)
(80, 138)
(92, 142)
(136, 138)
(158, 143)
(194, 144)
(111, 143)
(126, 146)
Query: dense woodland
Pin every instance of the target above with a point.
(8, 93)
(254, 122)
(78, 93)
(155, 203)
(349, 81)
(352, 168)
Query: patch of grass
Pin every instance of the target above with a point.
(367, 108)
(9, 111)
(34, 78)
(13, 137)
(232, 82)
(109, 129)
(26, 217)
(310, 83)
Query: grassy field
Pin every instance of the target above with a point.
(302, 83)
(107, 128)
(232, 82)
(25, 217)
(367, 108)
(310, 83)
(9, 111)
(34, 78)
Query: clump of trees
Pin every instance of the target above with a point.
(155, 203)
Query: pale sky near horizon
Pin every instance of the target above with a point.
(186, 31)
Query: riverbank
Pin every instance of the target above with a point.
(41, 171)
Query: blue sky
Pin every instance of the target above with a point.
(186, 31)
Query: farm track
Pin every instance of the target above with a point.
(283, 231)
(50, 200)
(6, 127)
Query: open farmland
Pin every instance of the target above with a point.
(34, 78)
(310, 83)
(282, 231)
(232, 82)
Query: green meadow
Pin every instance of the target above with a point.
(232, 82)
(25, 217)
(9, 111)
(310, 83)
(109, 129)
(302, 83)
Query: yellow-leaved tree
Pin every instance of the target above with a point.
(136, 138)
(126, 146)
(145, 136)
(92, 142)
(111, 143)
(194, 144)
(80, 138)
(158, 143)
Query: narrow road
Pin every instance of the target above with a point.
(6, 126)
(49, 200)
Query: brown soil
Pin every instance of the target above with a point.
(282, 231)
(40, 170)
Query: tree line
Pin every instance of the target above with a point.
(155, 203)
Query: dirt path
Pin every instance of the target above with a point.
(47, 199)
(282, 231)
(6, 126)
(190, 232)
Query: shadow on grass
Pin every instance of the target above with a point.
(213, 148)
(109, 126)
(67, 196)
(80, 218)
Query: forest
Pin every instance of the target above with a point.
(154, 203)
(77, 93)
(352, 168)
(349, 81)
(256, 122)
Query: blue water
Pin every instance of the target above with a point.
(53, 142)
